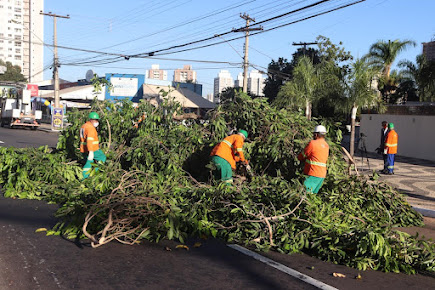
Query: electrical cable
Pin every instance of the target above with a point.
(263, 31)
(234, 30)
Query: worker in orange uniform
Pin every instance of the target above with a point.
(225, 155)
(315, 155)
(391, 147)
(89, 144)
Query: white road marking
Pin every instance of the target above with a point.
(1, 142)
(282, 268)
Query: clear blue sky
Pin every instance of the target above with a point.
(99, 25)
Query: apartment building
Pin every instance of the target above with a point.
(222, 81)
(256, 83)
(156, 73)
(185, 74)
(21, 34)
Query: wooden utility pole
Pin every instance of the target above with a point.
(246, 29)
(56, 59)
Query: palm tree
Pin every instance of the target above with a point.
(360, 92)
(301, 90)
(421, 75)
(382, 54)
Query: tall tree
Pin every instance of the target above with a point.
(277, 73)
(12, 74)
(282, 70)
(420, 77)
(300, 92)
(360, 92)
(381, 56)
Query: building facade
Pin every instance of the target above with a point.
(185, 75)
(222, 81)
(256, 83)
(194, 87)
(239, 81)
(21, 34)
(429, 50)
(156, 73)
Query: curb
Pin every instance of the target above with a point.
(425, 212)
(48, 130)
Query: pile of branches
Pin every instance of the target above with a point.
(157, 185)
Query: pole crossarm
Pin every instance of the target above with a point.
(246, 30)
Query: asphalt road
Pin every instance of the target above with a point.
(24, 137)
(30, 260)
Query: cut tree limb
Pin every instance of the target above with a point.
(350, 160)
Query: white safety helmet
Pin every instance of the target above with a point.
(320, 129)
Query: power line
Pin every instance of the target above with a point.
(228, 32)
(184, 23)
(266, 30)
(173, 59)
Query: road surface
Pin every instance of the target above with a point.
(24, 137)
(30, 260)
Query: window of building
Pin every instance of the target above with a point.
(17, 43)
(1, 40)
(18, 57)
(17, 9)
(17, 50)
(17, 30)
(17, 37)
(9, 35)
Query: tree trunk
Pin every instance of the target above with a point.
(352, 130)
(308, 110)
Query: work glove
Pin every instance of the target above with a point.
(385, 150)
(91, 156)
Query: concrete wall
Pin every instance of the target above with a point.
(416, 138)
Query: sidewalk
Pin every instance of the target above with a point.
(415, 178)
(46, 128)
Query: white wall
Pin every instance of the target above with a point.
(416, 133)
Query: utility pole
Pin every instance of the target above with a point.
(246, 29)
(55, 65)
(56, 59)
(304, 44)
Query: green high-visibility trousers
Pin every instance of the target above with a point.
(98, 157)
(224, 171)
(313, 183)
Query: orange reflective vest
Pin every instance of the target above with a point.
(315, 155)
(228, 148)
(88, 138)
(391, 142)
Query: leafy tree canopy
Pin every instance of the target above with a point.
(12, 74)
